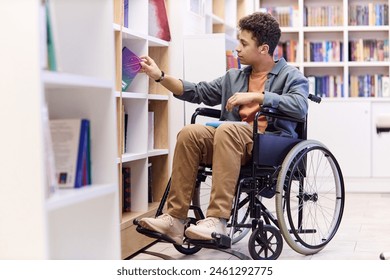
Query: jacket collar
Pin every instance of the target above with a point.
(275, 70)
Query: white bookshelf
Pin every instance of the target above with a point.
(139, 98)
(66, 224)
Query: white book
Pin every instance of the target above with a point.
(331, 86)
(43, 36)
(150, 131)
(312, 84)
(385, 86)
(70, 144)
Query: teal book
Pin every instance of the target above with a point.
(51, 56)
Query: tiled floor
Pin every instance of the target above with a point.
(363, 235)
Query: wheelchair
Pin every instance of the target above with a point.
(303, 176)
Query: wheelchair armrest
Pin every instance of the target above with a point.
(275, 113)
(207, 112)
(314, 98)
(272, 112)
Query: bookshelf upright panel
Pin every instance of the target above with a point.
(140, 98)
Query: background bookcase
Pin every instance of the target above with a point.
(67, 224)
(343, 121)
(332, 27)
(142, 96)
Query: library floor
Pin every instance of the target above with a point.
(363, 235)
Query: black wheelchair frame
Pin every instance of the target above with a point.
(283, 167)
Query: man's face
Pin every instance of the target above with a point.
(247, 48)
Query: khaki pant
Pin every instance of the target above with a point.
(227, 148)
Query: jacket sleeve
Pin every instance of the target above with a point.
(290, 94)
(208, 93)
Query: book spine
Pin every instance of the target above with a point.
(81, 156)
(126, 185)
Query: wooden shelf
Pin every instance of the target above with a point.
(142, 96)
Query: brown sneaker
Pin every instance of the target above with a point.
(204, 229)
(165, 224)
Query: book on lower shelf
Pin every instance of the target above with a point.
(49, 154)
(150, 190)
(72, 152)
(126, 189)
(150, 131)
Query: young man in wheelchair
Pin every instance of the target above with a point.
(240, 92)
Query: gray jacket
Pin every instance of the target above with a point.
(286, 89)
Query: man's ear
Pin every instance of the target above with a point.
(263, 49)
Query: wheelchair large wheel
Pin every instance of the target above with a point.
(309, 197)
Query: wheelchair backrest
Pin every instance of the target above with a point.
(271, 150)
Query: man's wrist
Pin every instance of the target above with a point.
(161, 78)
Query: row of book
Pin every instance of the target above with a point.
(329, 15)
(286, 49)
(369, 86)
(323, 51)
(332, 14)
(358, 50)
(369, 14)
(287, 16)
(332, 86)
(126, 187)
(369, 50)
(326, 86)
(232, 61)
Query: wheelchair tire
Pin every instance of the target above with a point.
(188, 248)
(309, 197)
(265, 244)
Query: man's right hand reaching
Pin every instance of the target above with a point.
(150, 68)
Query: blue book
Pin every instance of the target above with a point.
(82, 154)
(126, 13)
(218, 123)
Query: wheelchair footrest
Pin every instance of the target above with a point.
(220, 241)
(152, 234)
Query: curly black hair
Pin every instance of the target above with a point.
(264, 27)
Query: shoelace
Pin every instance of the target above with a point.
(166, 217)
(208, 222)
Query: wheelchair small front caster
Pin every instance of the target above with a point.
(187, 248)
(265, 243)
